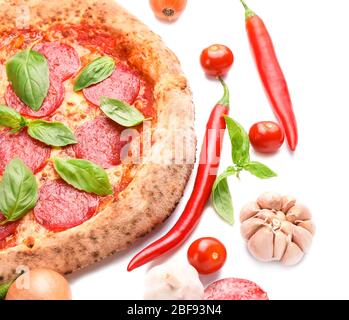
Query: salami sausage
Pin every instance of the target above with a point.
(33, 153)
(234, 289)
(62, 207)
(51, 103)
(99, 141)
(63, 60)
(123, 84)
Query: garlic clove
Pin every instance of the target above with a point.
(287, 203)
(281, 216)
(266, 215)
(287, 227)
(250, 227)
(261, 244)
(298, 212)
(249, 210)
(280, 245)
(293, 255)
(270, 200)
(302, 238)
(308, 225)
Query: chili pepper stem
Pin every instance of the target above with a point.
(248, 12)
(225, 101)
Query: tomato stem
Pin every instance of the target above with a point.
(248, 12)
(225, 99)
(168, 12)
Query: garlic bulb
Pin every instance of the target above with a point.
(173, 281)
(277, 228)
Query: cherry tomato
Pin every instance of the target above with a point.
(207, 255)
(168, 10)
(216, 60)
(266, 136)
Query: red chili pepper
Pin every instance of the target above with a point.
(206, 176)
(271, 74)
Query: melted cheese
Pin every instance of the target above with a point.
(3, 83)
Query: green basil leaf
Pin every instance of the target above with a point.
(28, 73)
(4, 288)
(18, 190)
(121, 112)
(84, 175)
(10, 118)
(51, 133)
(260, 170)
(239, 141)
(221, 197)
(95, 72)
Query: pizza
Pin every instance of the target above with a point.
(96, 125)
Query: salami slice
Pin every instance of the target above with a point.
(62, 207)
(99, 141)
(33, 153)
(52, 101)
(6, 230)
(63, 60)
(123, 84)
(234, 289)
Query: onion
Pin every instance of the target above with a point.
(40, 284)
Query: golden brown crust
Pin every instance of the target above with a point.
(158, 186)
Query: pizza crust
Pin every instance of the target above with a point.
(159, 184)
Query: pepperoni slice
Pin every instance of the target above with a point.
(52, 101)
(99, 141)
(33, 153)
(61, 206)
(63, 60)
(123, 84)
(6, 230)
(234, 289)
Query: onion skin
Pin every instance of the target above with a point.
(168, 10)
(40, 284)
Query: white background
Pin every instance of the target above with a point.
(311, 38)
